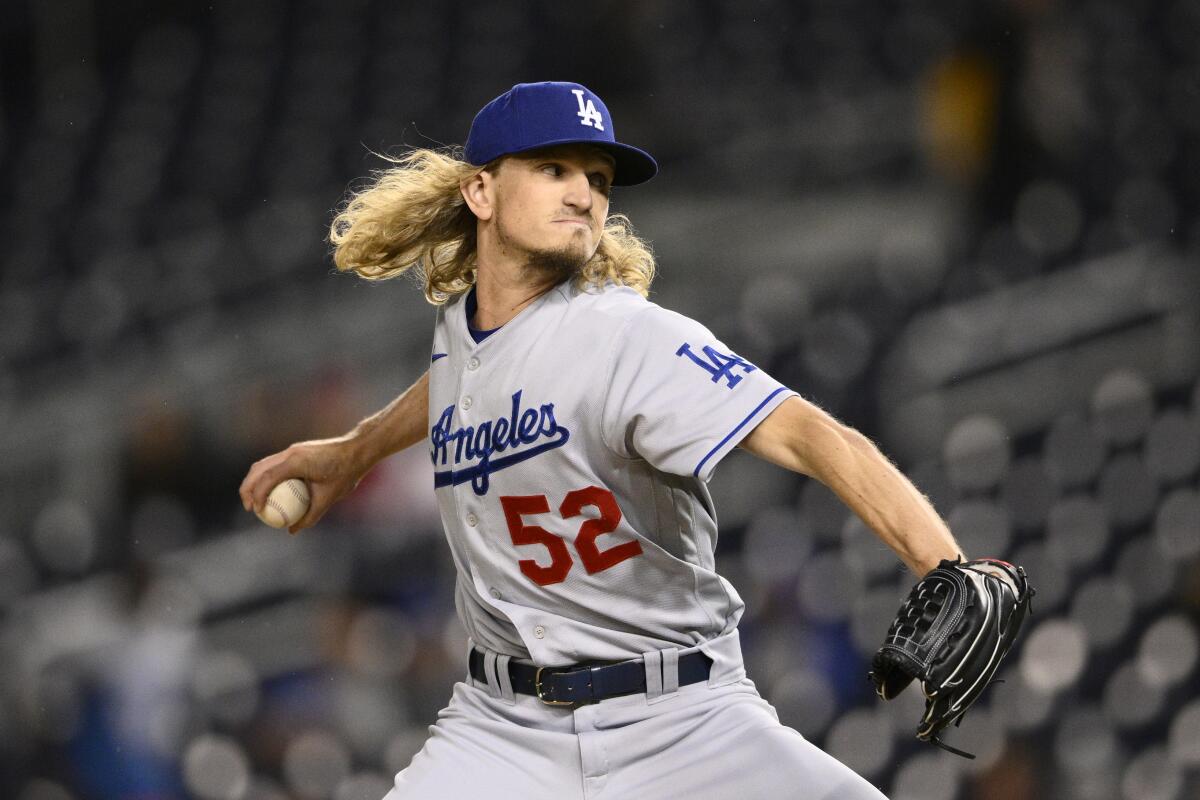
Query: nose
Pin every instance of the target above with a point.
(578, 194)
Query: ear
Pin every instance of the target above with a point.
(479, 191)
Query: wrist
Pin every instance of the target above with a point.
(365, 447)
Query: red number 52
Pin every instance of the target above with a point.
(594, 559)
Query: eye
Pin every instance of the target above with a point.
(552, 169)
(600, 181)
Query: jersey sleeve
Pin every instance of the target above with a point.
(679, 398)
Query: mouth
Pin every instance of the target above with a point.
(580, 222)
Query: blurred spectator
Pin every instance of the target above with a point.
(169, 455)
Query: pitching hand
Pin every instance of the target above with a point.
(330, 466)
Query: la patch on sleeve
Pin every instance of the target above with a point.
(717, 364)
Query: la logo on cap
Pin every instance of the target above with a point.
(533, 115)
(588, 115)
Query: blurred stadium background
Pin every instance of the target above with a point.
(969, 229)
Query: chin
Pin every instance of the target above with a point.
(563, 261)
(574, 232)
(578, 239)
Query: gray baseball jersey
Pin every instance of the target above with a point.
(571, 450)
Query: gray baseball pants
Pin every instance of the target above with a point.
(696, 742)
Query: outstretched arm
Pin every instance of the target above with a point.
(333, 467)
(801, 437)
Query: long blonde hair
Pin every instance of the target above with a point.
(413, 217)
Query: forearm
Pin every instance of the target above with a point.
(393, 428)
(333, 467)
(801, 437)
(880, 495)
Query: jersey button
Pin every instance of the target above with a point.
(539, 632)
(472, 520)
(465, 404)
(473, 363)
(494, 593)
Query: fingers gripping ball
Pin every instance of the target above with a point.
(950, 635)
(286, 504)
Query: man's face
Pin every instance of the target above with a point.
(551, 205)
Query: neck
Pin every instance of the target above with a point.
(503, 290)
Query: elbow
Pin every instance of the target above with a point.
(826, 448)
(802, 437)
(856, 440)
(822, 442)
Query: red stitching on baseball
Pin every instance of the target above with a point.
(279, 509)
(302, 496)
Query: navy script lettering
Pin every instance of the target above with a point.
(523, 434)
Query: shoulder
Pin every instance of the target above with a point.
(610, 301)
(621, 307)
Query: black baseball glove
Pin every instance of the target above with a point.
(956, 626)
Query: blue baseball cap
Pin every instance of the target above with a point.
(533, 115)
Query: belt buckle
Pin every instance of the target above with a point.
(537, 687)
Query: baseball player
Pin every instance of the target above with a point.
(573, 426)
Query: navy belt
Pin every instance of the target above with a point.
(578, 684)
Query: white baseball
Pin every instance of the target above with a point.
(286, 504)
